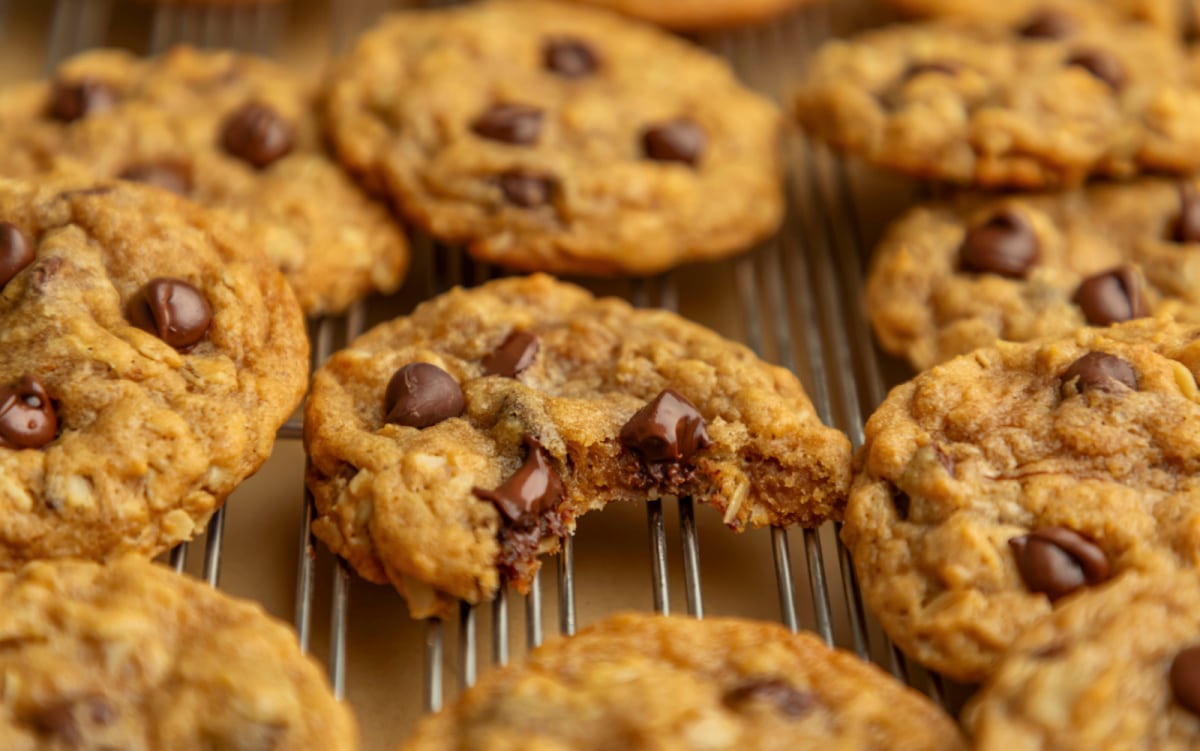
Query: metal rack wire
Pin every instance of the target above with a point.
(797, 297)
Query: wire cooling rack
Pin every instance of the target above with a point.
(796, 298)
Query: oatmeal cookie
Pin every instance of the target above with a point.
(701, 14)
(1045, 15)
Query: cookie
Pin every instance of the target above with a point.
(233, 132)
(1001, 484)
(447, 449)
(993, 106)
(547, 137)
(136, 657)
(1047, 14)
(149, 357)
(701, 14)
(656, 682)
(1119, 668)
(950, 277)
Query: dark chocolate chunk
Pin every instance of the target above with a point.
(173, 310)
(569, 57)
(517, 124)
(1102, 64)
(668, 429)
(72, 100)
(679, 140)
(1112, 296)
(779, 693)
(1049, 24)
(1005, 244)
(27, 416)
(16, 252)
(534, 489)
(1185, 679)
(1057, 561)
(1101, 371)
(514, 355)
(170, 176)
(1186, 227)
(528, 190)
(901, 502)
(57, 721)
(420, 395)
(257, 134)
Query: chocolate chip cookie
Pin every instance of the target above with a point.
(449, 448)
(1119, 668)
(989, 105)
(656, 682)
(230, 131)
(547, 137)
(133, 656)
(701, 14)
(150, 354)
(1003, 483)
(950, 277)
(1047, 16)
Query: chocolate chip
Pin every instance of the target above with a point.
(527, 189)
(47, 270)
(257, 134)
(534, 489)
(514, 355)
(569, 57)
(420, 395)
(166, 175)
(1185, 679)
(15, 252)
(901, 502)
(1049, 24)
(72, 100)
(1186, 227)
(1101, 64)
(1100, 371)
(57, 721)
(777, 692)
(27, 417)
(1005, 244)
(1111, 297)
(1057, 561)
(518, 124)
(668, 429)
(679, 140)
(942, 67)
(173, 310)
(944, 459)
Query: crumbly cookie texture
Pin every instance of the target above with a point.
(701, 14)
(994, 106)
(1166, 15)
(1119, 668)
(136, 657)
(233, 132)
(548, 137)
(656, 682)
(505, 463)
(150, 355)
(951, 277)
(1000, 483)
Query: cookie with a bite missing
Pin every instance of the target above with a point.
(448, 448)
(553, 137)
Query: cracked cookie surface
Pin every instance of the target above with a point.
(1001, 484)
(541, 402)
(150, 354)
(136, 657)
(548, 137)
(658, 682)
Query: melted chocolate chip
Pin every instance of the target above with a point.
(528, 190)
(787, 699)
(517, 124)
(72, 100)
(679, 140)
(57, 721)
(1057, 561)
(1100, 371)
(257, 134)
(173, 310)
(901, 502)
(534, 489)
(16, 252)
(514, 355)
(941, 67)
(944, 459)
(420, 395)
(166, 175)
(569, 57)
(1111, 297)
(1186, 227)
(27, 416)
(1185, 679)
(1005, 244)
(1102, 64)
(668, 429)
(1049, 24)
